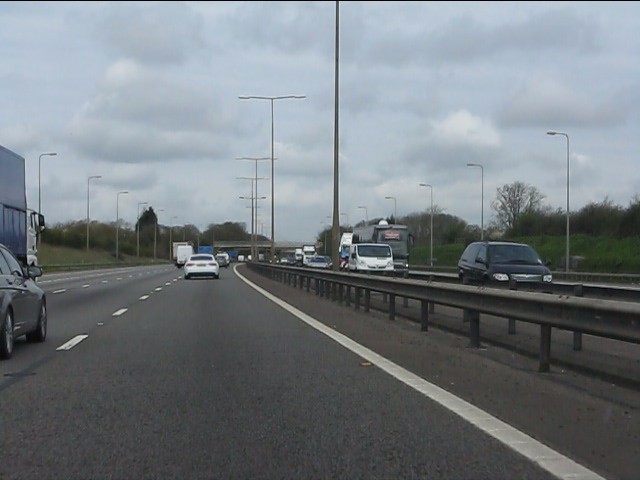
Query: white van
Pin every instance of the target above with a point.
(370, 257)
(183, 252)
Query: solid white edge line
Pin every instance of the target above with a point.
(72, 343)
(117, 313)
(547, 458)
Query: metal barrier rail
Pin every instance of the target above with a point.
(611, 292)
(593, 277)
(617, 320)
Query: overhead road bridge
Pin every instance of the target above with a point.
(244, 246)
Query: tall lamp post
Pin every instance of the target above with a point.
(124, 192)
(254, 210)
(395, 212)
(171, 237)
(482, 197)
(88, 180)
(366, 215)
(552, 132)
(155, 231)
(254, 236)
(431, 227)
(271, 99)
(138, 228)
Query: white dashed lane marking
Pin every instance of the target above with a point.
(72, 343)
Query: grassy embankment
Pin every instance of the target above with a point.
(600, 255)
(604, 255)
(56, 257)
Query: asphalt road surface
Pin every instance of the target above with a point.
(147, 375)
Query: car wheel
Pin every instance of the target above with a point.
(40, 333)
(6, 336)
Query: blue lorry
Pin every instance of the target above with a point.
(19, 225)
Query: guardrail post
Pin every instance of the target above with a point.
(385, 298)
(432, 306)
(406, 302)
(318, 286)
(347, 299)
(341, 293)
(424, 315)
(513, 285)
(367, 300)
(358, 296)
(578, 291)
(392, 306)
(473, 317)
(545, 348)
(334, 291)
(308, 283)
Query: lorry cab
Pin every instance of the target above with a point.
(370, 257)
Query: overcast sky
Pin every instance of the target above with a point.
(146, 95)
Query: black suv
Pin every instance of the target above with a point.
(488, 262)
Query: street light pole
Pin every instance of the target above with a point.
(254, 236)
(138, 228)
(482, 197)
(171, 237)
(366, 215)
(395, 212)
(88, 180)
(567, 246)
(124, 192)
(155, 231)
(254, 212)
(271, 99)
(431, 227)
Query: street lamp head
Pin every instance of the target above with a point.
(265, 97)
(50, 154)
(551, 132)
(122, 192)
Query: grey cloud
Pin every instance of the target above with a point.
(544, 102)
(152, 32)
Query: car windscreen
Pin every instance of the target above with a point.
(522, 254)
(374, 251)
(396, 238)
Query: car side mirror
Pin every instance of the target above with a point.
(34, 271)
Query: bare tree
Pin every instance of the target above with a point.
(513, 200)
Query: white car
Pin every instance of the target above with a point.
(201, 265)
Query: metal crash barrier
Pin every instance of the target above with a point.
(612, 319)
